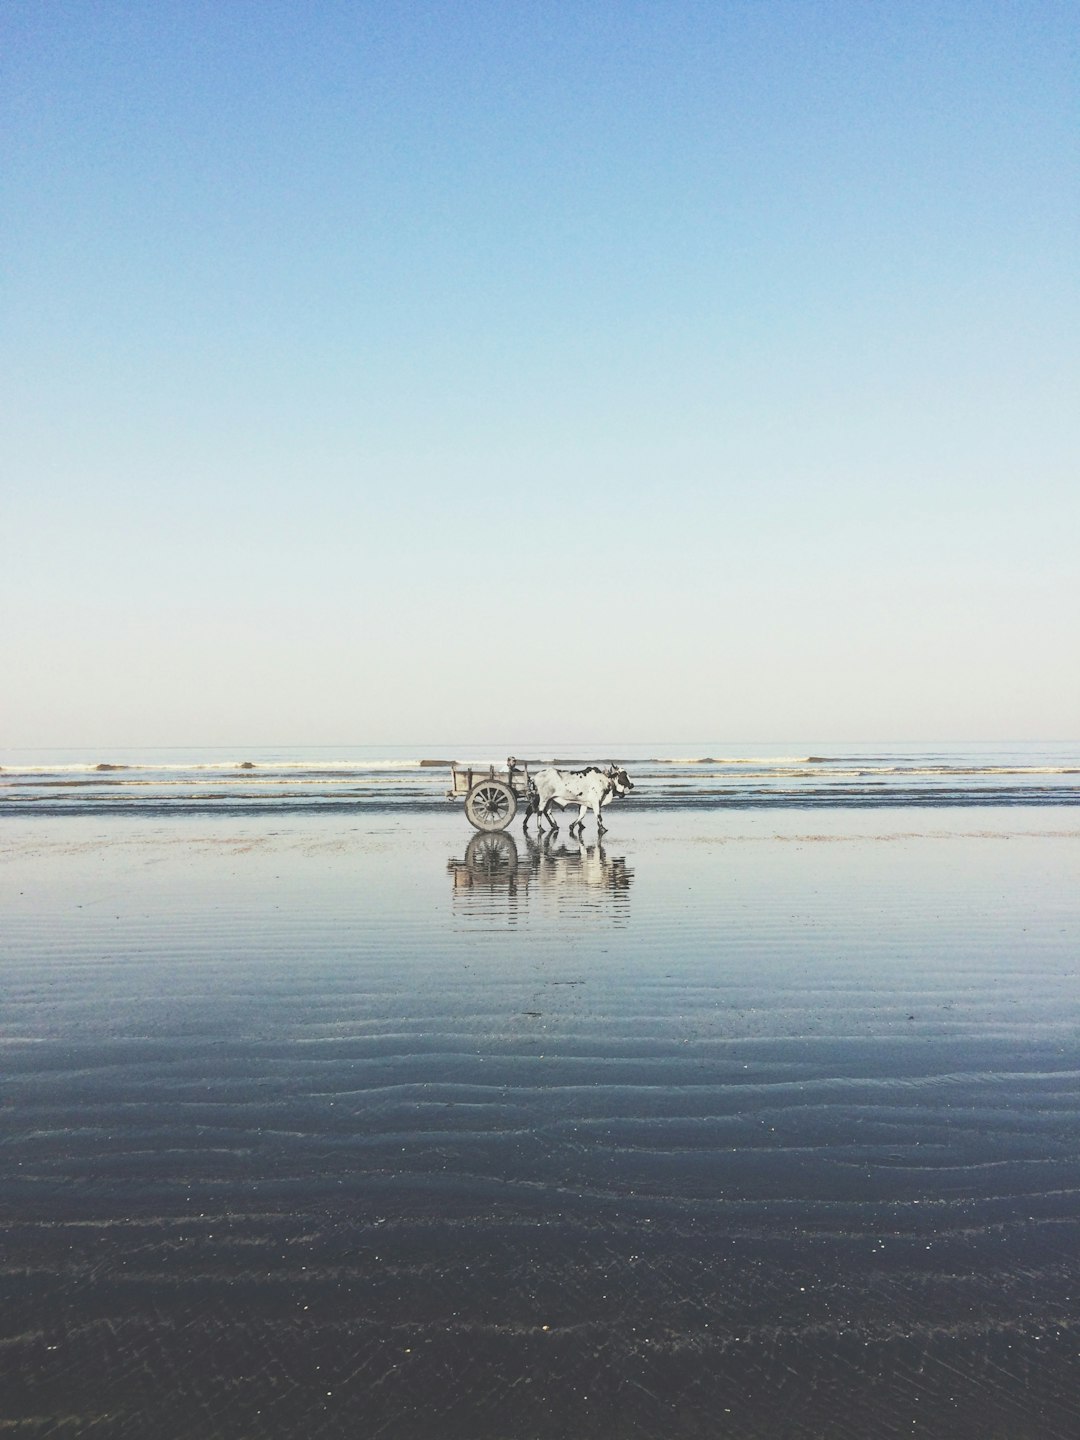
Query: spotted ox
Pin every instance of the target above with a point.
(589, 789)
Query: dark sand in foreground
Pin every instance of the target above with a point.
(749, 1126)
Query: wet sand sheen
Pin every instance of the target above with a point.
(319, 1131)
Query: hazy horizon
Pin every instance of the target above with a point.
(690, 748)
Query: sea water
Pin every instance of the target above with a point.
(376, 779)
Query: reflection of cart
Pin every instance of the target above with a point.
(491, 796)
(492, 880)
(492, 857)
(491, 863)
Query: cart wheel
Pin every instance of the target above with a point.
(492, 856)
(490, 805)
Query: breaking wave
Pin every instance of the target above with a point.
(350, 778)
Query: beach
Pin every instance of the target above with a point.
(745, 1124)
(407, 400)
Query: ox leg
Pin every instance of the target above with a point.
(600, 826)
(546, 812)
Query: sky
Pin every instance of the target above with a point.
(392, 372)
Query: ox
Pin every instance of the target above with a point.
(589, 789)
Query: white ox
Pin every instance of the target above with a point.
(589, 789)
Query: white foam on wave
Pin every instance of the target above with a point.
(240, 767)
(730, 760)
(60, 769)
(333, 765)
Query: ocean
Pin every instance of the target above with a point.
(328, 1116)
(376, 779)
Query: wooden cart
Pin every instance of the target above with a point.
(491, 796)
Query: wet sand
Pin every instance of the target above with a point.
(752, 1125)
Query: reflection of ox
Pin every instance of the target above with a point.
(588, 867)
(589, 789)
(495, 882)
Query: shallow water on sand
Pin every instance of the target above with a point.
(746, 1125)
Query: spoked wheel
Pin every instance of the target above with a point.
(490, 805)
(492, 856)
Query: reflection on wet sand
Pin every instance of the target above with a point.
(291, 1153)
(495, 881)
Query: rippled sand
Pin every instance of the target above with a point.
(746, 1126)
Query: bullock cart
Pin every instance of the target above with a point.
(491, 796)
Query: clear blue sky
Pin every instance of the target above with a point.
(656, 370)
